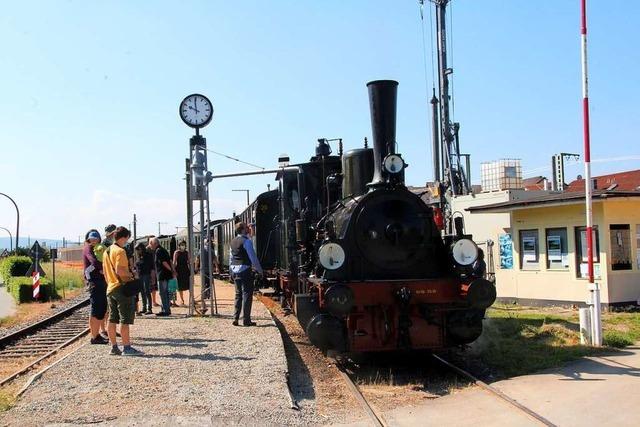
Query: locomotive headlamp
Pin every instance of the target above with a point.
(464, 252)
(393, 163)
(331, 256)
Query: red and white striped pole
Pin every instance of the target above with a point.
(35, 276)
(596, 325)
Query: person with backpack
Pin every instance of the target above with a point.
(121, 305)
(96, 286)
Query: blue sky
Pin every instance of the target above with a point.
(89, 130)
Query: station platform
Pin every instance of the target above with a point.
(194, 371)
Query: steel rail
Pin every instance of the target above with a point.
(376, 417)
(495, 392)
(14, 336)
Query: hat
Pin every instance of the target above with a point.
(93, 235)
(109, 229)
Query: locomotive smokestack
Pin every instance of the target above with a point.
(382, 103)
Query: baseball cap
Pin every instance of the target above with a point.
(109, 229)
(93, 235)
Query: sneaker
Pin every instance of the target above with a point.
(99, 340)
(104, 335)
(130, 351)
(234, 323)
(118, 334)
(161, 314)
(148, 312)
(249, 323)
(115, 351)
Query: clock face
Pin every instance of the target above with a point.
(196, 110)
(393, 163)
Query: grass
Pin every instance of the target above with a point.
(6, 400)
(518, 341)
(68, 278)
(69, 283)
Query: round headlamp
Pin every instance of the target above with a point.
(331, 256)
(464, 252)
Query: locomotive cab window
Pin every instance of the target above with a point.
(557, 254)
(529, 258)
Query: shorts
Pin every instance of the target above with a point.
(122, 308)
(98, 298)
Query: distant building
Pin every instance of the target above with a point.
(621, 181)
(540, 244)
(536, 183)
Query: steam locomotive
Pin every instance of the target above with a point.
(360, 260)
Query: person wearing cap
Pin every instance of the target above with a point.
(96, 285)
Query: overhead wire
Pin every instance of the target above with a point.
(235, 159)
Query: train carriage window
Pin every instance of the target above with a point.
(529, 258)
(620, 244)
(557, 253)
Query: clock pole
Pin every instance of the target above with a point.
(196, 111)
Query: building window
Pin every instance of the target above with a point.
(581, 253)
(638, 246)
(557, 253)
(529, 259)
(620, 243)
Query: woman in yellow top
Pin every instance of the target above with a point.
(122, 308)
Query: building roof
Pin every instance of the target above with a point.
(534, 183)
(553, 199)
(622, 181)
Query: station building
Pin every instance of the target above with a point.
(536, 240)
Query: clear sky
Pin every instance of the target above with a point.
(89, 126)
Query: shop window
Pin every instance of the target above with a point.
(581, 253)
(557, 253)
(620, 244)
(529, 259)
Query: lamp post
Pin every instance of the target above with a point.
(10, 239)
(17, 220)
(246, 191)
(159, 224)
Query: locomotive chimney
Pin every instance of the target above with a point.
(382, 103)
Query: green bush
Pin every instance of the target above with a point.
(14, 266)
(616, 339)
(21, 289)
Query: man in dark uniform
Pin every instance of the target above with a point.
(241, 259)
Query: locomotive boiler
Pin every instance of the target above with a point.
(374, 272)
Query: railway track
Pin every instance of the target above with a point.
(22, 350)
(377, 418)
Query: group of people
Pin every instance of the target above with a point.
(118, 281)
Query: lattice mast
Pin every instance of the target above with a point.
(452, 176)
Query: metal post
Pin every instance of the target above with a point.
(190, 242)
(593, 287)
(435, 136)
(135, 234)
(202, 254)
(53, 272)
(212, 292)
(10, 239)
(17, 220)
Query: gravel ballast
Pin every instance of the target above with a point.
(194, 371)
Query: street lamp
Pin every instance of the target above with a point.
(159, 224)
(246, 191)
(17, 220)
(10, 239)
